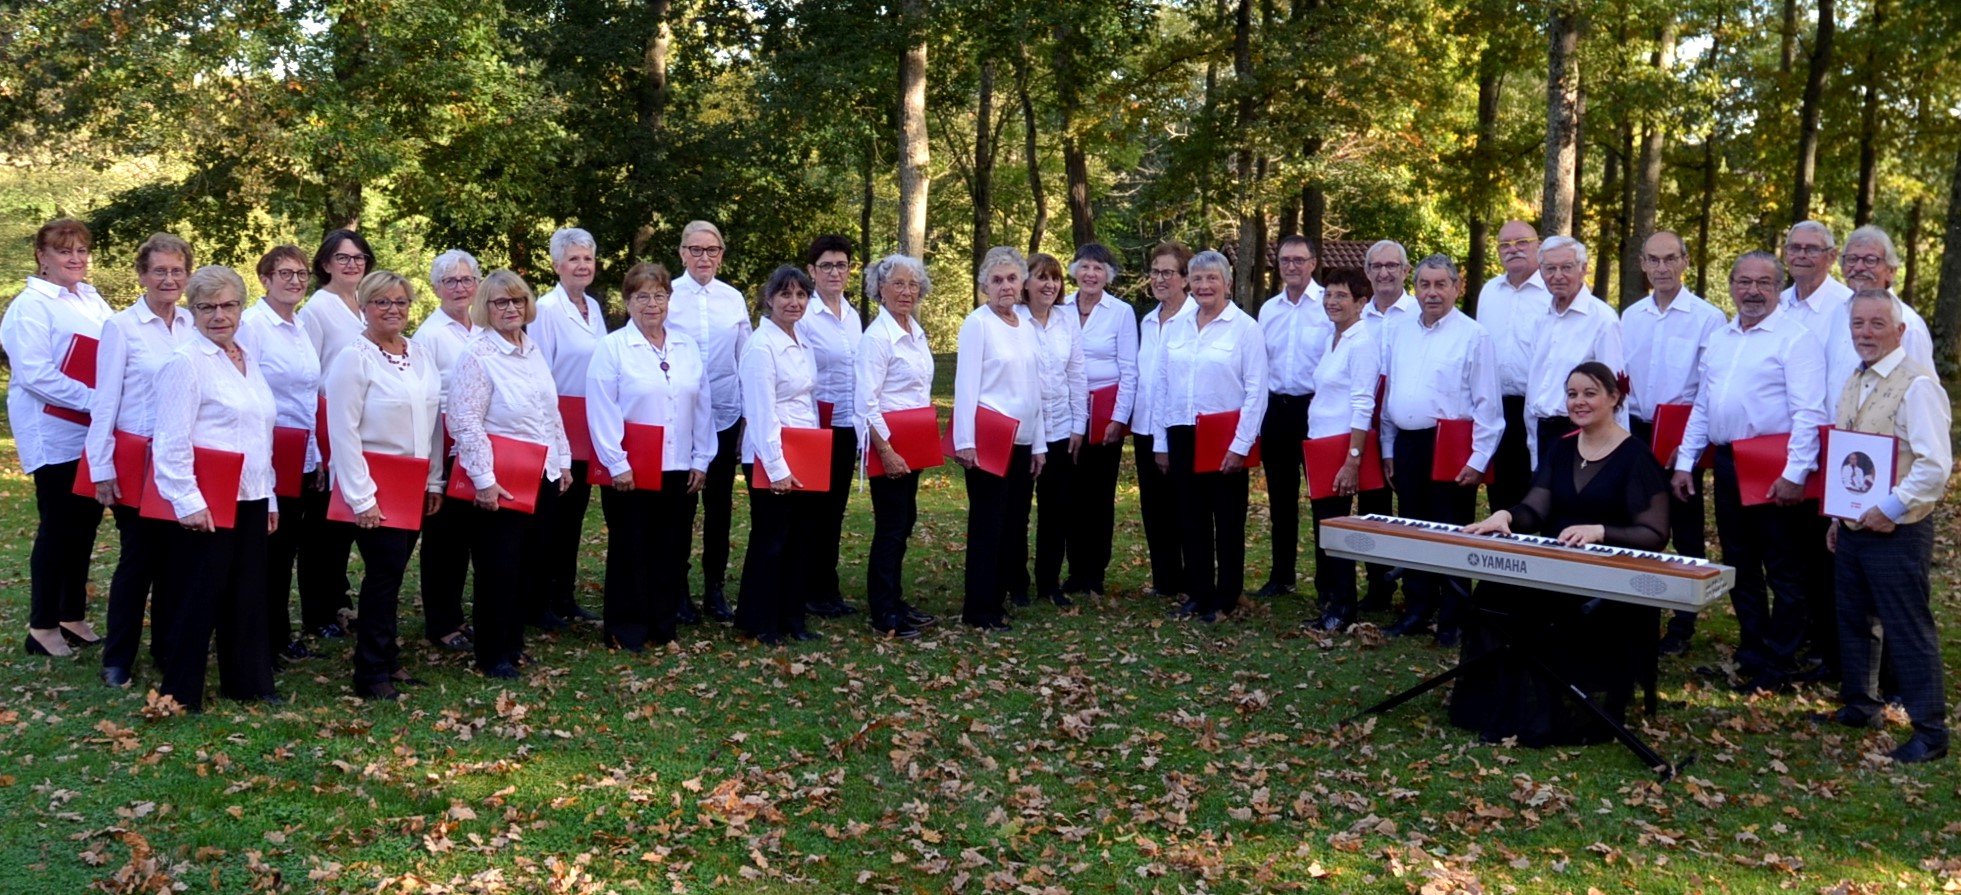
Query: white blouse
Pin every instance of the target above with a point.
(384, 405)
(505, 389)
(36, 331)
(1109, 351)
(330, 325)
(566, 338)
(779, 386)
(626, 384)
(1150, 353)
(998, 367)
(1215, 368)
(1344, 383)
(291, 368)
(896, 368)
(1065, 388)
(834, 339)
(717, 318)
(135, 344)
(442, 339)
(204, 401)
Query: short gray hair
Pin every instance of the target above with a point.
(878, 273)
(1872, 234)
(1001, 256)
(1892, 301)
(1402, 255)
(211, 281)
(447, 263)
(694, 227)
(1823, 232)
(1776, 263)
(1441, 261)
(1554, 243)
(571, 238)
(1210, 260)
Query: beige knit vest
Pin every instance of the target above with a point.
(1878, 413)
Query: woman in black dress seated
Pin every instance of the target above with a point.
(1600, 486)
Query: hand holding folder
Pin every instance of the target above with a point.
(994, 440)
(645, 452)
(399, 481)
(132, 470)
(1214, 435)
(808, 451)
(78, 362)
(1760, 462)
(1326, 456)
(1453, 451)
(915, 437)
(519, 467)
(1102, 409)
(217, 473)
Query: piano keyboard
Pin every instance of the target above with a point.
(1644, 577)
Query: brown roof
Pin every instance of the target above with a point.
(1343, 253)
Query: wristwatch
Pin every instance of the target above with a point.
(1354, 452)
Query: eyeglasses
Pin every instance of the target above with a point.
(834, 266)
(388, 304)
(1385, 266)
(1160, 274)
(703, 251)
(455, 282)
(1763, 285)
(647, 295)
(1801, 250)
(226, 306)
(902, 285)
(344, 260)
(1861, 260)
(290, 276)
(507, 303)
(169, 273)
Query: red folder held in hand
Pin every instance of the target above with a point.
(994, 440)
(217, 473)
(320, 430)
(915, 436)
(78, 362)
(288, 461)
(59, 412)
(826, 411)
(1453, 451)
(808, 451)
(1760, 462)
(644, 446)
(1325, 456)
(572, 409)
(1213, 438)
(519, 467)
(399, 482)
(1671, 422)
(1102, 409)
(132, 469)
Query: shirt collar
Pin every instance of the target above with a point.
(888, 323)
(505, 346)
(1442, 321)
(1772, 322)
(1684, 300)
(1889, 363)
(47, 289)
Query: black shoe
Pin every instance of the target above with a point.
(272, 699)
(115, 676)
(1672, 644)
(827, 608)
(1186, 609)
(383, 691)
(806, 635)
(34, 647)
(847, 608)
(1917, 750)
(502, 671)
(1060, 599)
(296, 651)
(78, 640)
(1273, 589)
(330, 632)
(1770, 681)
(1377, 599)
(1209, 616)
(717, 605)
(548, 621)
(573, 612)
(1070, 586)
(919, 619)
(1020, 599)
(1409, 624)
(1447, 637)
(900, 631)
(770, 639)
(1849, 717)
(687, 614)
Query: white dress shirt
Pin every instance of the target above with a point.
(1511, 315)
(387, 407)
(1764, 380)
(504, 389)
(1664, 350)
(330, 325)
(717, 318)
(1842, 358)
(1345, 383)
(1109, 352)
(204, 401)
(998, 367)
(1814, 312)
(1296, 332)
(1214, 368)
(1376, 320)
(779, 388)
(292, 370)
(1065, 387)
(441, 338)
(1447, 371)
(833, 340)
(1588, 330)
(626, 384)
(566, 338)
(1924, 421)
(895, 372)
(135, 344)
(36, 331)
(1150, 354)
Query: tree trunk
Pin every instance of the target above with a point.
(1075, 168)
(1947, 301)
(1609, 243)
(1485, 158)
(1914, 222)
(1562, 118)
(1626, 244)
(343, 201)
(867, 196)
(1030, 148)
(1814, 90)
(1787, 55)
(651, 101)
(914, 151)
(1705, 211)
(983, 194)
(1245, 269)
(1869, 121)
(1647, 186)
(1314, 212)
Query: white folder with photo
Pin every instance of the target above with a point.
(1859, 472)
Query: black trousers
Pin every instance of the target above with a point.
(58, 569)
(1884, 597)
(217, 581)
(775, 580)
(1511, 474)
(1687, 530)
(1821, 637)
(138, 580)
(1281, 432)
(1763, 542)
(1423, 498)
(385, 561)
(1055, 522)
(718, 507)
(647, 534)
(997, 549)
(445, 567)
(509, 586)
(282, 548)
(1160, 511)
(1334, 578)
(895, 510)
(323, 553)
(561, 554)
(1212, 524)
(1093, 500)
(829, 534)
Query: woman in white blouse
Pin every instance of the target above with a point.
(332, 320)
(47, 411)
(444, 553)
(135, 344)
(895, 372)
(1109, 335)
(779, 381)
(1065, 416)
(271, 331)
(211, 395)
(382, 398)
(832, 330)
(998, 368)
(1213, 361)
(648, 375)
(503, 387)
(1344, 384)
(570, 324)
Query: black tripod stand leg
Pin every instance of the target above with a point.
(1634, 744)
(1426, 686)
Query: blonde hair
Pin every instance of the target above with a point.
(378, 283)
(501, 284)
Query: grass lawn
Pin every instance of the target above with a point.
(1101, 748)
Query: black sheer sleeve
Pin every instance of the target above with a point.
(1646, 490)
(1530, 515)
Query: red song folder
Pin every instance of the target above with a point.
(59, 412)
(1325, 456)
(644, 446)
(288, 461)
(808, 451)
(1453, 451)
(399, 483)
(519, 467)
(572, 409)
(78, 362)
(1102, 408)
(1213, 438)
(320, 429)
(1671, 422)
(132, 469)
(825, 411)
(217, 473)
(1760, 462)
(915, 436)
(994, 440)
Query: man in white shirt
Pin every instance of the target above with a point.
(1885, 557)
(1763, 374)
(1812, 297)
(1869, 262)
(1665, 334)
(1576, 328)
(1295, 328)
(832, 329)
(1440, 366)
(1510, 307)
(715, 315)
(1387, 265)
